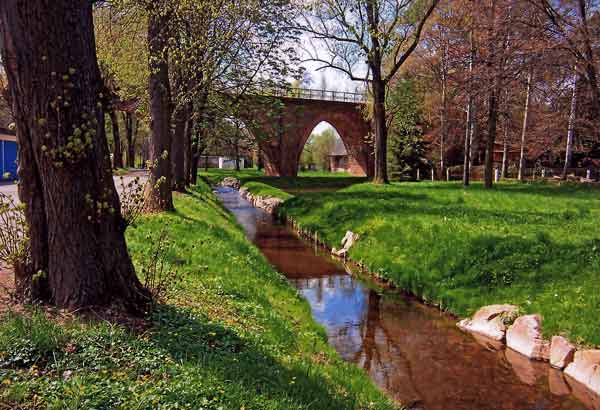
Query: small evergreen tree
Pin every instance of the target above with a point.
(407, 148)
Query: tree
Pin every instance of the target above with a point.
(79, 257)
(120, 43)
(381, 33)
(525, 123)
(571, 127)
(318, 148)
(407, 147)
(159, 195)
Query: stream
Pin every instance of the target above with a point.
(415, 353)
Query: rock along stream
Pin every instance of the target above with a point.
(413, 352)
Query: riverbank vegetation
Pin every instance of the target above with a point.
(534, 245)
(232, 334)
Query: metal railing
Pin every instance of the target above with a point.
(311, 94)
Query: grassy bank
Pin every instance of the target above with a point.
(535, 245)
(232, 335)
(284, 187)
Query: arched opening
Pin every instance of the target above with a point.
(324, 151)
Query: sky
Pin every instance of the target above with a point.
(335, 80)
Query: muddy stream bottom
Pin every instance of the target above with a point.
(413, 352)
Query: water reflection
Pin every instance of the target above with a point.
(410, 350)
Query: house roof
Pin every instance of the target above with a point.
(339, 149)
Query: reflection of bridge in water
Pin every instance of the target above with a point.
(282, 119)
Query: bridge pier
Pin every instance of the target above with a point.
(282, 136)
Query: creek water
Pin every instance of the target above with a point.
(413, 352)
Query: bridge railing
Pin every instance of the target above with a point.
(313, 94)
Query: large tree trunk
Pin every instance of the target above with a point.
(469, 126)
(78, 249)
(380, 176)
(117, 152)
(129, 120)
(492, 120)
(475, 154)
(571, 127)
(524, 129)
(178, 149)
(159, 196)
(505, 146)
(189, 129)
(492, 117)
(444, 113)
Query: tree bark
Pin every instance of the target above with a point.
(380, 176)
(504, 170)
(491, 138)
(488, 177)
(159, 195)
(524, 129)
(444, 113)
(189, 128)
(378, 87)
(129, 119)
(117, 152)
(571, 127)
(469, 126)
(178, 149)
(78, 250)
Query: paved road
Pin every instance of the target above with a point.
(10, 189)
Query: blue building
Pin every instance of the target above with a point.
(8, 154)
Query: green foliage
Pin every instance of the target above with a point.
(234, 334)
(406, 151)
(317, 150)
(533, 245)
(28, 341)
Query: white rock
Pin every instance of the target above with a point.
(349, 239)
(525, 337)
(231, 182)
(562, 352)
(585, 369)
(490, 321)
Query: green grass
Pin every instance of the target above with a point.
(534, 245)
(232, 335)
(284, 187)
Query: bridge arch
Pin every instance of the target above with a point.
(288, 131)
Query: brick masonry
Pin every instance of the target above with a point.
(283, 125)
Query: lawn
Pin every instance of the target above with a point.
(284, 187)
(232, 334)
(534, 245)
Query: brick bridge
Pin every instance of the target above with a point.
(283, 120)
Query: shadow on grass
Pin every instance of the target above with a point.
(191, 339)
(295, 185)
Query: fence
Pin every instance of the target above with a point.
(456, 172)
(311, 94)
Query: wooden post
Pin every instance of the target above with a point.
(418, 174)
(497, 174)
